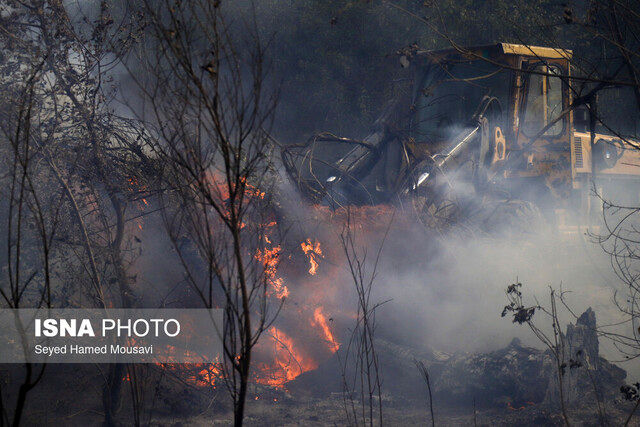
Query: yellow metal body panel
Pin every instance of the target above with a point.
(627, 164)
(536, 51)
(564, 161)
(501, 49)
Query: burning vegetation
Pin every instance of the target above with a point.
(314, 252)
(319, 320)
(289, 361)
(145, 162)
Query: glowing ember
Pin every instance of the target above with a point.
(220, 187)
(319, 320)
(313, 251)
(208, 375)
(289, 361)
(520, 408)
(198, 374)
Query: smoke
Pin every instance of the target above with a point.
(452, 301)
(445, 291)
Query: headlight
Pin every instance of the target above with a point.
(607, 153)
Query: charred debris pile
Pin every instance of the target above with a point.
(514, 377)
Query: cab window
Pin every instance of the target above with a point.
(450, 93)
(544, 101)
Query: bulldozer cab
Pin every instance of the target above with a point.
(519, 98)
(475, 123)
(519, 94)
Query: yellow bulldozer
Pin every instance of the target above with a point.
(502, 126)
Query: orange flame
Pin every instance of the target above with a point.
(221, 188)
(289, 362)
(270, 259)
(313, 251)
(198, 374)
(193, 369)
(320, 320)
(208, 375)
